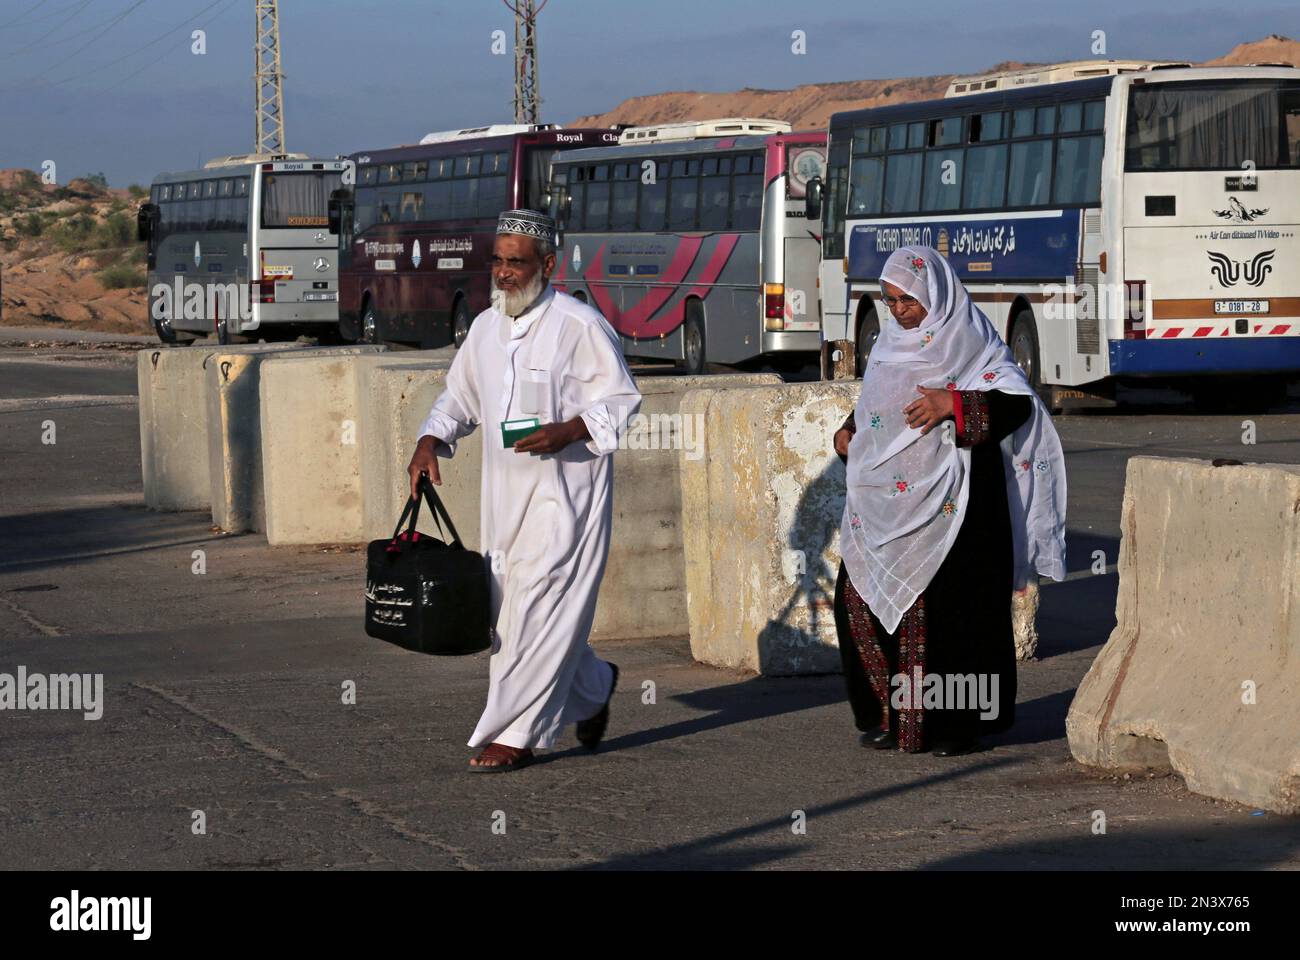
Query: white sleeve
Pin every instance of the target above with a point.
(601, 387)
(456, 412)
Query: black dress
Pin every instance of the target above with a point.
(959, 628)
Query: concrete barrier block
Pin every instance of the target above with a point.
(761, 514)
(1200, 674)
(643, 593)
(395, 402)
(312, 437)
(174, 460)
(235, 435)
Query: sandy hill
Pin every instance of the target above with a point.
(810, 106)
(68, 256)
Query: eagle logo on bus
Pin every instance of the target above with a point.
(1228, 272)
(1237, 212)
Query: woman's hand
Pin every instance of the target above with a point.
(934, 407)
(842, 438)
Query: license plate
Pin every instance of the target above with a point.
(1241, 306)
(320, 296)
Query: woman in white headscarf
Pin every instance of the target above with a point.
(955, 497)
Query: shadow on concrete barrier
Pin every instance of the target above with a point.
(1200, 674)
(174, 458)
(235, 434)
(312, 437)
(761, 516)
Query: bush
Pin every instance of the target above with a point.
(30, 226)
(98, 179)
(137, 192)
(116, 231)
(121, 276)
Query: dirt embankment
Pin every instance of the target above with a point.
(68, 256)
(810, 106)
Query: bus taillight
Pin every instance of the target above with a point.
(774, 305)
(266, 291)
(1135, 310)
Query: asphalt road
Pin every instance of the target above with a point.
(223, 695)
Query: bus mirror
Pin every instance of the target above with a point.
(813, 199)
(335, 214)
(145, 221)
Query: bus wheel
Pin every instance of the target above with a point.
(868, 334)
(460, 322)
(694, 362)
(369, 324)
(1024, 351)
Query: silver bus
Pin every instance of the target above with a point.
(692, 240)
(242, 249)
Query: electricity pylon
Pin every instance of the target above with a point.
(528, 100)
(269, 80)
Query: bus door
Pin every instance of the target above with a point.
(804, 161)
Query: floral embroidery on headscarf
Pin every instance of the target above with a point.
(876, 420)
(990, 377)
(949, 508)
(900, 485)
(855, 522)
(925, 340)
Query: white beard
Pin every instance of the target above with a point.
(514, 304)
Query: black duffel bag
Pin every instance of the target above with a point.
(426, 594)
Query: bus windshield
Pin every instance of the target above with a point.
(298, 198)
(1214, 126)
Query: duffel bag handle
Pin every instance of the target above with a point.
(412, 510)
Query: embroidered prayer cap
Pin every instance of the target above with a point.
(527, 223)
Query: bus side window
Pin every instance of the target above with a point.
(986, 177)
(652, 213)
(464, 196)
(241, 203)
(437, 199)
(387, 205)
(411, 208)
(747, 193)
(365, 209)
(867, 174)
(622, 213)
(903, 183)
(943, 175)
(683, 195)
(209, 211)
(715, 194)
(597, 214)
(578, 199)
(1078, 170)
(1029, 184)
(491, 195)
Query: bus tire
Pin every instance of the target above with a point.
(867, 334)
(1025, 352)
(694, 360)
(369, 332)
(460, 321)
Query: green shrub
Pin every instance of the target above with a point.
(137, 192)
(121, 276)
(31, 225)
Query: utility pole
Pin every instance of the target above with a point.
(269, 80)
(528, 100)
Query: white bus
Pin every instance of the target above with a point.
(1138, 227)
(243, 249)
(1052, 73)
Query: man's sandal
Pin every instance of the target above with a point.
(502, 759)
(592, 730)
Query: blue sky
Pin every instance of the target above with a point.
(131, 98)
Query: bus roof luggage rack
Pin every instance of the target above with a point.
(240, 159)
(491, 130)
(1054, 73)
(698, 129)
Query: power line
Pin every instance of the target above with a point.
(29, 48)
(143, 47)
(116, 20)
(17, 21)
(60, 25)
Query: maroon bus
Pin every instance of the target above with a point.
(416, 235)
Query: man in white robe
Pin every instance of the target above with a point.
(547, 501)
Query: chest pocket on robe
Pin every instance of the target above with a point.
(536, 394)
